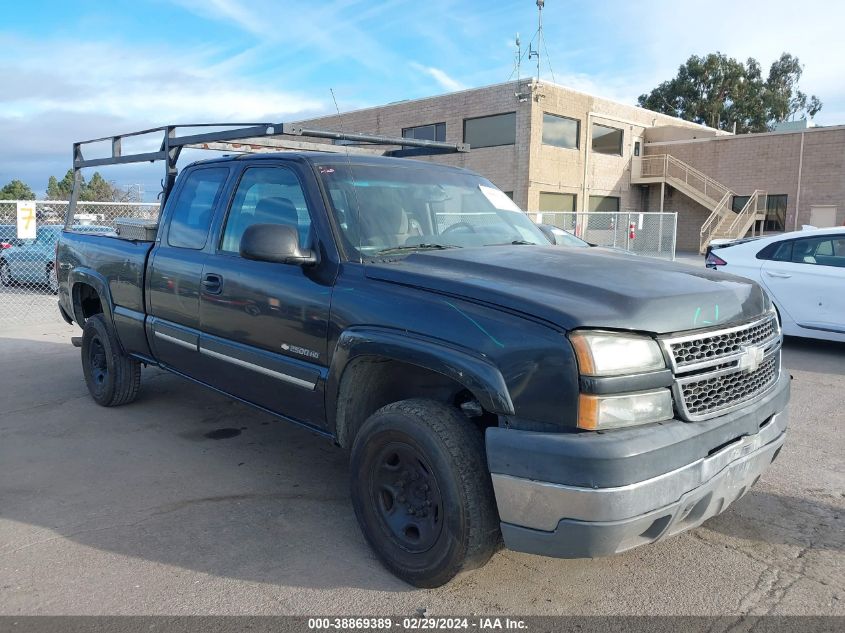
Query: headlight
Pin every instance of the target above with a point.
(612, 354)
(612, 412)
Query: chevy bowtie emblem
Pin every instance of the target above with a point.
(751, 358)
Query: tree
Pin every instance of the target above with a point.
(16, 190)
(61, 189)
(100, 190)
(719, 91)
(97, 190)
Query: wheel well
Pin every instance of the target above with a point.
(371, 382)
(86, 302)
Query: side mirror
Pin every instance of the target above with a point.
(275, 243)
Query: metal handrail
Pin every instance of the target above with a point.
(667, 159)
(713, 223)
(750, 208)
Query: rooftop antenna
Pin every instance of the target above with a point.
(536, 53)
(520, 96)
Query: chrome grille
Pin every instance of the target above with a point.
(727, 389)
(705, 348)
(719, 370)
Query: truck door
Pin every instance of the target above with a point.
(264, 324)
(175, 269)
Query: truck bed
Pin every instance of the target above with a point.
(114, 263)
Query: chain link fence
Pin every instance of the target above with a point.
(28, 287)
(650, 234)
(27, 281)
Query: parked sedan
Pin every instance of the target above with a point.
(803, 271)
(8, 235)
(30, 262)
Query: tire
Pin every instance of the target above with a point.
(422, 493)
(5, 274)
(51, 280)
(112, 377)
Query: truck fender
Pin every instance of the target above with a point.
(84, 275)
(477, 374)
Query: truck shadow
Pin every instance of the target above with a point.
(804, 523)
(186, 478)
(182, 477)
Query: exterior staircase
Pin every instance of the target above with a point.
(723, 223)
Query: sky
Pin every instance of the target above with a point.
(85, 68)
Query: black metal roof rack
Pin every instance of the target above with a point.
(242, 137)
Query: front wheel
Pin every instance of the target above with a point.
(112, 377)
(422, 493)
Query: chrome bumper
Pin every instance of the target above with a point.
(569, 521)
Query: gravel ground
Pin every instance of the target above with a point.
(137, 510)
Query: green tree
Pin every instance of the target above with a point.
(16, 190)
(100, 190)
(61, 189)
(719, 91)
(97, 190)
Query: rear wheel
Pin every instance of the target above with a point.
(112, 377)
(422, 492)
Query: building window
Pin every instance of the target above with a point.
(432, 132)
(775, 212)
(739, 202)
(557, 201)
(560, 131)
(604, 203)
(607, 140)
(489, 131)
(509, 194)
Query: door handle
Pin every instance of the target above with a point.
(212, 284)
(778, 275)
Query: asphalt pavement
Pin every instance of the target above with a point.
(187, 503)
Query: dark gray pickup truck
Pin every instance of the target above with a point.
(490, 386)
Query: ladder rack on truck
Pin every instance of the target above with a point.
(241, 137)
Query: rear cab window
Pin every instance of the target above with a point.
(193, 210)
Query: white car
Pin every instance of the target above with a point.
(804, 273)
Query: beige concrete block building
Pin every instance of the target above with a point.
(556, 149)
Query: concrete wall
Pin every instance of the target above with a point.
(554, 169)
(772, 162)
(506, 166)
(528, 167)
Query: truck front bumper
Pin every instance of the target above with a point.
(598, 510)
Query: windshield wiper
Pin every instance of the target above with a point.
(414, 247)
(515, 243)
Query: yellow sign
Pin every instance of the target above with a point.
(26, 220)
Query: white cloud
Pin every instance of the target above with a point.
(663, 37)
(443, 80)
(71, 91)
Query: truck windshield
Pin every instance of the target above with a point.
(397, 209)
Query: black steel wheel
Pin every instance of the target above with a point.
(422, 492)
(405, 492)
(112, 377)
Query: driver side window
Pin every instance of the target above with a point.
(266, 195)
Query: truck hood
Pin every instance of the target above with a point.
(580, 287)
